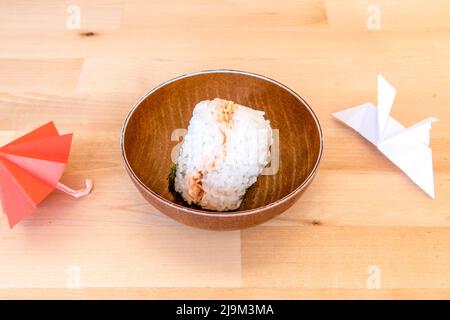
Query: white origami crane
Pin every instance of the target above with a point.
(408, 148)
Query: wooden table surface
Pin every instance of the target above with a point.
(362, 230)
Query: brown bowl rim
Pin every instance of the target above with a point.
(218, 213)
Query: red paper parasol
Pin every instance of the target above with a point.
(30, 169)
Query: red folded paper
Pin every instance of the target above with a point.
(30, 169)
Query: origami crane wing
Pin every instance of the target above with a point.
(30, 169)
(410, 151)
(408, 148)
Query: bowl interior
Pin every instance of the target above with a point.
(147, 141)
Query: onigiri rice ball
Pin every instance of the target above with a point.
(226, 147)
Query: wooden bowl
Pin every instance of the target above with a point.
(147, 144)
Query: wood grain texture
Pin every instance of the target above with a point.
(360, 211)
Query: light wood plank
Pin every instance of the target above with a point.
(395, 15)
(339, 257)
(233, 13)
(222, 293)
(53, 76)
(46, 15)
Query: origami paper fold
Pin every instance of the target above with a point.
(30, 169)
(408, 148)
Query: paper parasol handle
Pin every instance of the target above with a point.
(76, 193)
